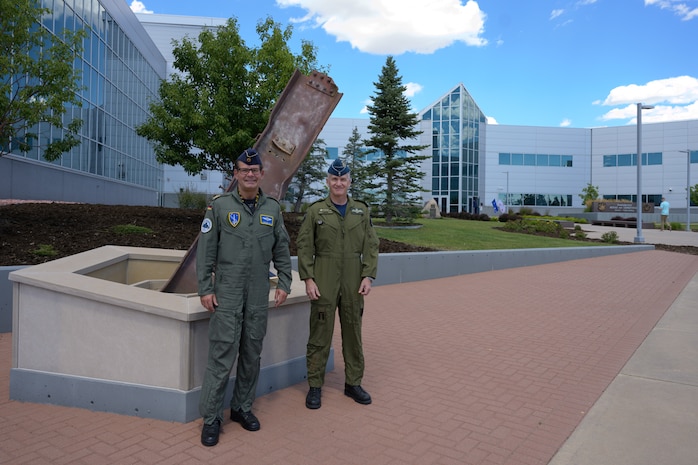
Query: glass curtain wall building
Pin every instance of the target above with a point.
(121, 70)
(457, 124)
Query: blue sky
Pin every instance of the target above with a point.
(560, 63)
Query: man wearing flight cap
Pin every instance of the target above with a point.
(337, 259)
(241, 232)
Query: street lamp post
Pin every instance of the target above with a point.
(507, 197)
(688, 189)
(640, 107)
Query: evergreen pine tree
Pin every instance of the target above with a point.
(308, 180)
(354, 154)
(393, 131)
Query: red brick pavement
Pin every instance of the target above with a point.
(490, 368)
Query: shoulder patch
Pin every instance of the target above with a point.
(206, 225)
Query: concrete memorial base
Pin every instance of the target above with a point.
(93, 331)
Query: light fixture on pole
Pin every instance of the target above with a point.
(688, 189)
(506, 199)
(640, 107)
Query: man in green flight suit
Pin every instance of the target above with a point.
(337, 259)
(241, 233)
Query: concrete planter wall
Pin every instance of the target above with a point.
(92, 331)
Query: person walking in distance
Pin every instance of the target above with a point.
(665, 213)
(242, 231)
(337, 260)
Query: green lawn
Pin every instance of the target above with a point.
(454, 234)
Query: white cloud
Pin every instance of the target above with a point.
(412, 89)
(679, 96)
(139, 7)
(393, 27)
(676, 90)
(555, 13)
(659, 114)
(566, 123)
(491, 120)
(679, 7)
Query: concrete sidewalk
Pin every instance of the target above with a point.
(651, 236)
(582, 362)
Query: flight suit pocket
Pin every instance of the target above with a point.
(266, 243)
(356, 236)
(224, 326)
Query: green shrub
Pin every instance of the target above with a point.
(130, 229)
(542, 227)
(188, 198)
(528, 211)
(504, 217)
(611, 237)
(45, 250)
(579, 234)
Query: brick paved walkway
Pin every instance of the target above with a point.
(489, 368)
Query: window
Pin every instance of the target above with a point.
(624, 159)
(654, 158)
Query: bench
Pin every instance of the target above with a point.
(622, 224)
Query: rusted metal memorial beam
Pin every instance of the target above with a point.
(296, 120)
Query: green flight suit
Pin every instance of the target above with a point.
(233, 255)
(337, 252)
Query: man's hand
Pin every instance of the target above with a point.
(311, 289)
(279, 297)
(209, 302)
(365, 286)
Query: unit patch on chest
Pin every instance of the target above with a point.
(234, 218)
(266, 220)
(357, 211)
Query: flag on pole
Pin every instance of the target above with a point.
(494, 204)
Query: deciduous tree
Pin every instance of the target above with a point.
(589, 194)
(220, 100)
(37, 81)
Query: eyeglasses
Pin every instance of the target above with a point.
(246, 171)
